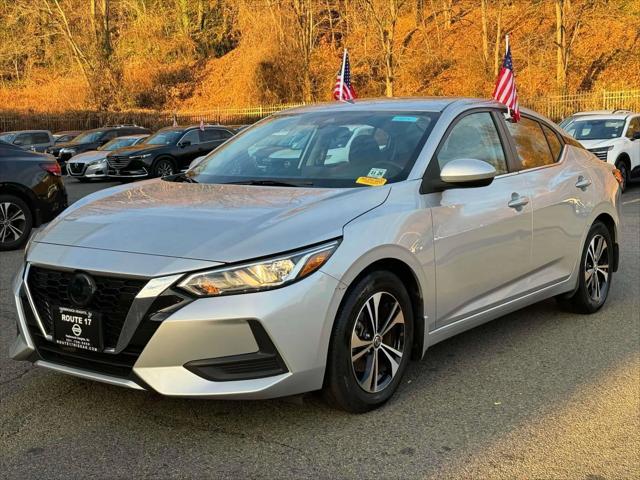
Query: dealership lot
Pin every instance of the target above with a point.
(538, 393)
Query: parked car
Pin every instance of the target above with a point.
(31, 193)
(65, 136)
(35, 140)
(166, 152)
(92, 139)
(613, 137)
(252, 276)
(93, 164)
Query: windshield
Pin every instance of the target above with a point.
(324, 149)
(88, 137)
(117, 143)
(594, 129)
(164, 137)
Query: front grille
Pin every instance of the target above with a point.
(601, 154)
(117, 162)
(113, 298)
(77, 168)
(119, 365)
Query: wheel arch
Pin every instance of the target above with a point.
(411, 281)
(608, 221)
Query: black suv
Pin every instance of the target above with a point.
(91, 140)
(166, 152)
(31, 193)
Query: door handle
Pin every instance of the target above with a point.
(517, 201)
(583, 183)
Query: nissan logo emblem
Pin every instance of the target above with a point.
(81, 289)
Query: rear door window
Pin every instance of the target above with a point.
(531, 143)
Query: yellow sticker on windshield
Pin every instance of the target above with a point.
(373, 182)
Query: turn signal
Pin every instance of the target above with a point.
(618, 174)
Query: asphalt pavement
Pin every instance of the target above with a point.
(540, 393)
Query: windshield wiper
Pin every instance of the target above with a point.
(180, 178)
(271, 183)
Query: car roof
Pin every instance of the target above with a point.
(424, 104)
(616, 116)
(68, 132)
(27, 131)
(605, 114)
(139, 135)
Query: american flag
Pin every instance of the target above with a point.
(505, 90)
(343, 91)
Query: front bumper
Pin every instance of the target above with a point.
(198, 348)
(80, 170)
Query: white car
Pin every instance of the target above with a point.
(613, 137)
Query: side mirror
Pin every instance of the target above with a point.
(468, 172)
(636, 135)
(185, 143)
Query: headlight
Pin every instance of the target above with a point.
(263, 275)
(70, 151)
(140, 157)
(97, 162)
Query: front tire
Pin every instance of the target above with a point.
(15, 222)
(624, 171)
(595, 272)
(370, 344)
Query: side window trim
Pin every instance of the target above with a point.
(553, 132)
(431, 177)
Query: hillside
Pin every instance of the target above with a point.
(58, 55)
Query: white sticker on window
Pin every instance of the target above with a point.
(377, 172)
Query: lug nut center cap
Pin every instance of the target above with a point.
(377, 341)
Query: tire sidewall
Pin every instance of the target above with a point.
(341, 374)
(28, 222)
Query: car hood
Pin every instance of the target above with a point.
(598, 143)
(220, 223)
(89, 156)
(138, 149)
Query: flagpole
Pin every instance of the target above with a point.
(506, 50)
(344, 61)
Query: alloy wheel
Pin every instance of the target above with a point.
(12, 222)
(165, 169)
(378, 342)
(596, 268)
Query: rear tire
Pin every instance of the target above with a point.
(15, 222)
(595, 274)
(163, 168)
(381, 348)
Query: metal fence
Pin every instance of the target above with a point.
(561, 106)
(555, 107)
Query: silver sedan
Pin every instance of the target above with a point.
(271, 269)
